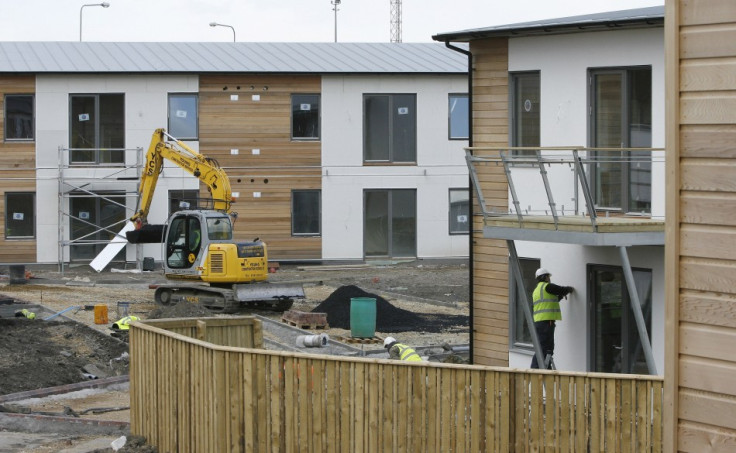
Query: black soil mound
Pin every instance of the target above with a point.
(388, 317)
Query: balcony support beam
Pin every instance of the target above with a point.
(636, 308)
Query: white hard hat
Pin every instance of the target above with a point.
(388, 341)
(541, 271)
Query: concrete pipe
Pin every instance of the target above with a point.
(312, 341)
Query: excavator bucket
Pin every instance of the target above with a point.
(147, 234)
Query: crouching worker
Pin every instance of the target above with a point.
(398, 351)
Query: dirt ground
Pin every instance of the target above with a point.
(37, 354)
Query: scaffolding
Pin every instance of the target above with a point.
(91, 178)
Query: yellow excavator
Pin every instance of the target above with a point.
(199, 252)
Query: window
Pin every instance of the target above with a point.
(178, 197)
(520, 334)
(20, 211)
(97, 129)
(390, 222)
(621, 117)
(458, 117)
(94, 222)
(459, 211)
(305, 213)
(525, 111)
(305, 116)
(19, 117)
(389, 128)
(614, 337)
(183, 119)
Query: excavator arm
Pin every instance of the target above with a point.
(206, 169)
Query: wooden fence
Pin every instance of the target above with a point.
(189, 395)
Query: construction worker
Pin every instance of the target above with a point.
(25, 314)
(546, 302)
(400, 351)
(124, 323)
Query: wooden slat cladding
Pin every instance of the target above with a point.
(701, 320)
(17, 170)
(490, 257)
(190, 395)
(264, 178)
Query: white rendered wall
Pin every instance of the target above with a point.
(568, 265)
(440, 164)
(563, 62)
(146, 109)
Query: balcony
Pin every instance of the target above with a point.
(519, 192)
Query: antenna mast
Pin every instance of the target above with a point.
(395, 20)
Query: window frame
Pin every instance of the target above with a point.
(515, 123)
(515, 342)
(626, 181)
(318, 233)
(391, 149)
(450, 213)
(450, 98)
(9, 215)
(627, 318)
(183, 95)
(97, 150)
(316, 138)
(7, 117)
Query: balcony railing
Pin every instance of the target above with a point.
(600, 183)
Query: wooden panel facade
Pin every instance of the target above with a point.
(17, 171)
(189, 395)
(700, 394)
(264, 179)
(490, 257)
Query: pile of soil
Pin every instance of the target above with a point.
(180, 310)
(388, 317)
(36, 354)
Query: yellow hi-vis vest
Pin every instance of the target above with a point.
(546, 306)
(407, 353)
(124, 323)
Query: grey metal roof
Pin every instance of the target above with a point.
(229, 57)
(631, 18)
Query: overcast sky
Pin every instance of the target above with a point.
(275, 20)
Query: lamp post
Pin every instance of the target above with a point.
(215, 24)
(335, 4)
(103, 4)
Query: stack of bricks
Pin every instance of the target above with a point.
(305, 319)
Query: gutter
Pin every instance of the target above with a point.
(469, 54)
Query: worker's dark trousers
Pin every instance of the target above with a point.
(546, 335)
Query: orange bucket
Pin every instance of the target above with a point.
(101, 314)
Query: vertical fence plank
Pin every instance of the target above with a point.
(476, 424)
(549, 401)
(446, 410)
(332, 397)
(275, 422)
(657, 419)
(582, 413)
(612, 435)
(566, 413)
(433, 405)
(594, 430)
(372, 405)
(626, 417)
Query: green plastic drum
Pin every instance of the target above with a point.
(362, 317)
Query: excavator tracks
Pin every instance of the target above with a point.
(218, 300)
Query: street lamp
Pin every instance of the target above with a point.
(215, 24)
(103, 4)
(335, 4)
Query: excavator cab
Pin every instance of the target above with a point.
(199, 245)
